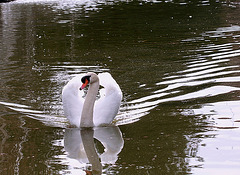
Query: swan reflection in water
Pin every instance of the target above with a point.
(80, 145)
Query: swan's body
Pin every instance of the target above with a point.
(86, 112)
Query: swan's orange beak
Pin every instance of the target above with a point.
(84, 84)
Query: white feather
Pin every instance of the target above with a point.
(105, 108)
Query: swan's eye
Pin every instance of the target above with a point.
(85, 80)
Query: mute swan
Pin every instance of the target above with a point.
(86, 112)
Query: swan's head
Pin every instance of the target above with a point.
(89, 78)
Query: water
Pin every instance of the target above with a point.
(177, 63)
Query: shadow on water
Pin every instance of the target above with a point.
(176, 62)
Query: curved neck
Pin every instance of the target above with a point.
(87, 111)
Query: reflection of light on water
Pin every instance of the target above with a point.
(211, 67)
(206, 67)
(223, 31)
(66, 5)
(49, 120)
(217, 151)
(133, 110)
(224, 114)
(220, 151)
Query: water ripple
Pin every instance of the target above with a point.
(212, 71)
(49, 120)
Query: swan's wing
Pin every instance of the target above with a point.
(72, 99)
(106, 108)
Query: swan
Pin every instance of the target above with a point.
(90, 112)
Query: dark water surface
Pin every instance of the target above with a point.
(177, 63)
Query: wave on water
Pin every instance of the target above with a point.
(212, 69)
(213, 74)
(48, 120)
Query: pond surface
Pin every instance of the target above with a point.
(177, 63)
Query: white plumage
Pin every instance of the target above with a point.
(105, 108)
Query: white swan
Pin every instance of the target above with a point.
(86, 112)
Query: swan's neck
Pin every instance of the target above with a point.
(87, 112)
